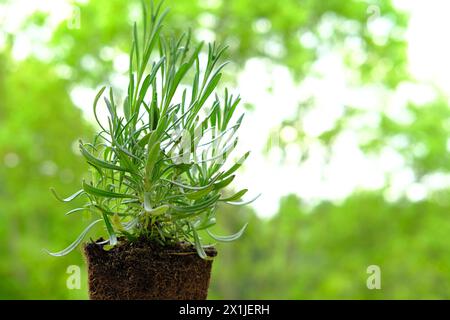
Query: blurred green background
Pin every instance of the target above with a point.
(347, 118)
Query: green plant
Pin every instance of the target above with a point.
(153, 174)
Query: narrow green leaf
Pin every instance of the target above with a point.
(97, 97)
(76, 210)
(200, 193)
(144, 88)
(110, 229)
(126, 108)
(153, 156)
(144, 19)
(222, 184)
(75, 243)
(100, 163)
(103, 193)
(136, 41)
(236, 166)
(229, 238)
(238, 195)
(198, 245)
(210, 88)
(69, 198)
(147, 202)
(198, 207)
(243, 203)
(158, 210)
(208, 221)
(184, 186)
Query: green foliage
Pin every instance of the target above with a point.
(252, 28)
(302, 252)
(158, 171)
(323, 252)
(38, 126)
(425, 136)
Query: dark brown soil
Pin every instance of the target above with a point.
(146, 270)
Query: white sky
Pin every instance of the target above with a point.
(350, 169)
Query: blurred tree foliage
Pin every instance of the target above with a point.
(302, 252)
(38, 127)
(425, 136)
(292, 33)
(324, 253)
